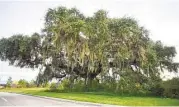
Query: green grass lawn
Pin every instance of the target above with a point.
(97, 97)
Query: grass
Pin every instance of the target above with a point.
(97, 97)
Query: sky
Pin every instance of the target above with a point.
(160, 17)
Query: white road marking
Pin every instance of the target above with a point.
(4, 99)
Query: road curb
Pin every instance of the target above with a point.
(71, 101)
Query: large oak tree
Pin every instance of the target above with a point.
(73, 45)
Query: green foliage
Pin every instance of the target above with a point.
(46, 85)
(53, 86)
(65, 85)
(167, 88)
(9, 82)
(20, 50)
(78, 86)
(32, 84)
(157, 89)
(171, 88)
(23, 83)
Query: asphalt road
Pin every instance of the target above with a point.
(12, 99)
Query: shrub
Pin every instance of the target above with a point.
(157, 89)
(32, 84)
(23, 83)
(171, 88)
(78, 86)
(53, 86)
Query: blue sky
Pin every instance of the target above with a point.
(160, 17)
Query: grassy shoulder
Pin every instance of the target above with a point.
(97, 97)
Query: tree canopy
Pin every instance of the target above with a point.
(77, 46)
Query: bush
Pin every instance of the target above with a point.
(126, 85)
(32, 84)
(171, 88)
(53, 86)
(78, 86)
(65, 84)
(157, 89)
(23, 83)
(45, 85)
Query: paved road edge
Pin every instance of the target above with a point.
(66, 100)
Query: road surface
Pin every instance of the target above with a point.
(12, 99)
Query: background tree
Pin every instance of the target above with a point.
(9, 82)
(32, 84)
